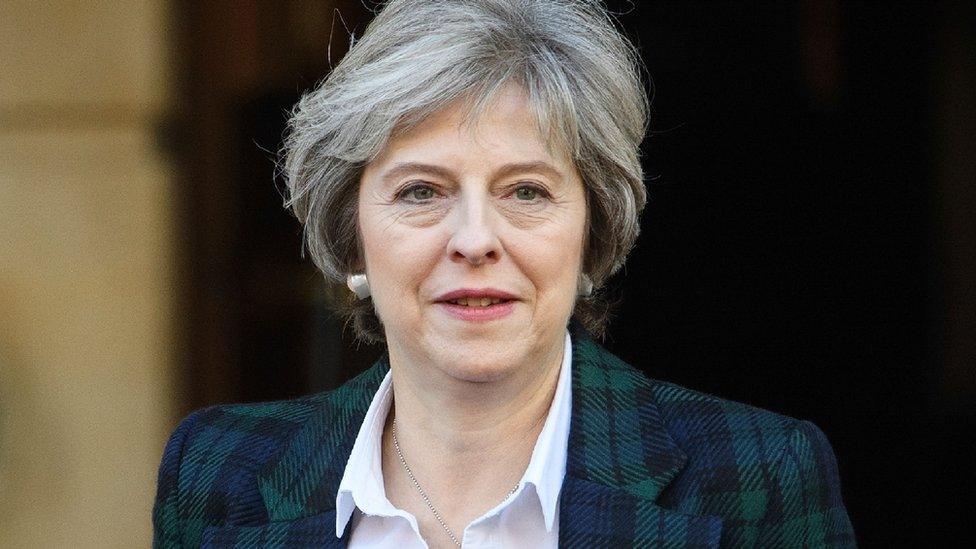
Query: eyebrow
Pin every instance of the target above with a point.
(537, 166)
(405, 168)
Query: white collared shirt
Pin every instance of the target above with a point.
(529, 518)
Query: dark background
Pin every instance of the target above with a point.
(809, 245)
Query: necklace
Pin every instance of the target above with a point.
(423, 494)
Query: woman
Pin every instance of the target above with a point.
(471, 170)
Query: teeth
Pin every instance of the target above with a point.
(476, 301)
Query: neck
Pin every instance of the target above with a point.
(458, 416)
(468, 443)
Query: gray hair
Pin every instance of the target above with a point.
(583, 82)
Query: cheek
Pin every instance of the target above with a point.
(551, 261)
(398, 258)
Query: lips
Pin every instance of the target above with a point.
(476, 296)
(476, 301)
(478, 304)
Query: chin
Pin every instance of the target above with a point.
(478, 365)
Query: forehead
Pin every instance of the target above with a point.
(505, 123)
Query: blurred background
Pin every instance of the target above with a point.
(809, 245)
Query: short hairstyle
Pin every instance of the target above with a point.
(583, 82)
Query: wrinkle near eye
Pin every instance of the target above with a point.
(529, 217)
(522, 214)
(417, 214)
(389, 219)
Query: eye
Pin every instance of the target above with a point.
(528, 193)
(420, 192)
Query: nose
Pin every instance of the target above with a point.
(474, 239)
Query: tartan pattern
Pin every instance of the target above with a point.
(599, 516)
(209, 474)
(650, 464)
(310, 532)
(771, 480)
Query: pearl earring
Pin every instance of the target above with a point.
(585, 285)
(358, 284)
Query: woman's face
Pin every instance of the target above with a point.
(473, 240)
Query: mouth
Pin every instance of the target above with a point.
(477, 301)
(478, 305)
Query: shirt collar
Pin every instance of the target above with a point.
(362, 480)
(547, 466)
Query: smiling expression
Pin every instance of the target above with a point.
(472, 239)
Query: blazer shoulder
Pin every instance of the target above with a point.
(252, 432)
(212, 461)
(692, 418)
(773, 479)
(231, 422)
(698, 420)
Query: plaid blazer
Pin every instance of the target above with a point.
(650, 464)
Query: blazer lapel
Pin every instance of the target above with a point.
(621, 457)
(305, 480)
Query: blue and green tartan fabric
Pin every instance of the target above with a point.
(650, 464)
